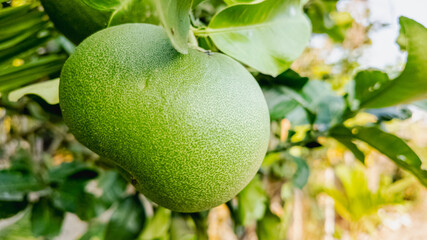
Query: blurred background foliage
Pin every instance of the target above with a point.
(327, 174)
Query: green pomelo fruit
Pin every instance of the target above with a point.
(75, 19)
(190, 130)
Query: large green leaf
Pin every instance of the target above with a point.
(47, 90)
(394, 148)
(174, 15)
(374, 89)
(321, 104)
(135, 11)
(267, 36)
(345, 137)
(252, 202)
(127, 220)
(46, 220)
(388, 144)
(126, 11)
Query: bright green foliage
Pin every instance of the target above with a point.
(127, 220)
(388, 144)
(326, 19)
(373, 90)
(47, 90)
(269, 227)
(23, 29)
(357, 201)
(46, 219)
(190, 130)
(157, 226)
(267, 36)
(174, 17)
(139, 78)
(252, 202)
(75, 19)
(78, 19)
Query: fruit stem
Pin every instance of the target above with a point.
(200, 32)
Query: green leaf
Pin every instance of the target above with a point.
(22, 29)
(345, 137)
(252, 202)
(14, 77)
(134, 11)
(388, 144)
(47, 90)
(103, 5)
(158, 226)
(127, 220)
(300, 177)
(73, 170)
(324, 102)
(71, 196)
(280, 104)
(269, 227)
(126, 11)
(374, 89)
(366, 83)
(174, 15)
(15, 182)
(10, 208)
(394, 148)
(46, 220)
(267, 36)
(113, 186)
(289, 78)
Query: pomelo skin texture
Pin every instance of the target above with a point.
(190, 130)
(75, 19)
